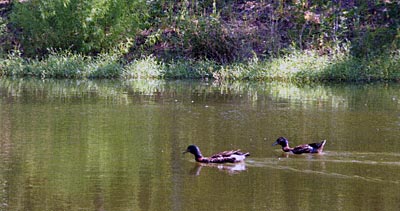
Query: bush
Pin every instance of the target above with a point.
(191, 69)
(375, 42)
(148, 67)
(87, 27)
(207, 38)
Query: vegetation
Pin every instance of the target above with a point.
(299, 40)
(87, 27)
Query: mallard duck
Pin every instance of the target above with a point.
(232, 156)
(304, 148)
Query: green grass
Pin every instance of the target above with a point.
(307, 67)
(295, 67)
(62, 65)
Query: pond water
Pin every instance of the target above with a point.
(112, 145)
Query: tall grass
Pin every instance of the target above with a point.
(308, 66)
(62, 65)
(296, 67)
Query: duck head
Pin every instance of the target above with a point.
(281, 141)
(194, 150)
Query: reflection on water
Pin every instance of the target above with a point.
(229, 168)
(111, 145)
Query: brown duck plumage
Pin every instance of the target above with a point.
(232, 156)
(304, 148)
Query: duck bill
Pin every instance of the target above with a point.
(184, 152)
(274, 144)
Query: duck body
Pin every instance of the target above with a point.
(232, 156)
(304, 148)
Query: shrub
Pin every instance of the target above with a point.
(191, 69)
(375, 42)
(87, 27)
(148, 67)
(207, 38)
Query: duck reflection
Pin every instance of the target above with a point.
(230, 168)
(308, 156)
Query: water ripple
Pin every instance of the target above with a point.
(288, 164)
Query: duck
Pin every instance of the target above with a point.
(232, 156)
(304, 148)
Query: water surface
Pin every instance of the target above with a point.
(111, 145)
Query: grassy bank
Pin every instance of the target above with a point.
(338, 41)
(296, 67)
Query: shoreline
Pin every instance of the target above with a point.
(299, 67)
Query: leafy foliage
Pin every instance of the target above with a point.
(88, 27)
(301, 40)
(229, 31)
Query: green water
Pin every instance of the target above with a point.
(110, 145)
